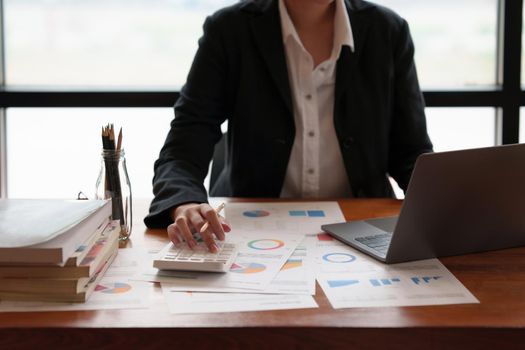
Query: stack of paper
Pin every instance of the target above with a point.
(352, 279)
(284, 277)
(274, 268)
(54, 250)
(116, 290)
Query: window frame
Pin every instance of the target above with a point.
(507, 97)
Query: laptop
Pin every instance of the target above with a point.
(457, 202)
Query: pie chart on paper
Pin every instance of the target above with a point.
(292, 263)
(266, 244)
(247, 268)
(256, 213)
(113, 288)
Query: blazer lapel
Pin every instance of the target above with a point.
(347, 66)
(266, 29)
(347, 100)
(348, 60)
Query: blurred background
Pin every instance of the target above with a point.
(148, 45)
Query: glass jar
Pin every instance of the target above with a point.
(113, 183)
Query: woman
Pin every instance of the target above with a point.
(322, 100)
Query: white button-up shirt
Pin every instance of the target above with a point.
(316, 167)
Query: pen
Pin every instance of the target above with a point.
(217, 210)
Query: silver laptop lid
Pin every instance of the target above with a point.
(462, 201)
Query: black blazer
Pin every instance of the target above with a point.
(239, 73)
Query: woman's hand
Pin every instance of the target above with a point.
(189, 218)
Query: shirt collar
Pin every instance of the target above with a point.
(342, 29)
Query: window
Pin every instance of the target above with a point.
(461, 128)
(455, 40)
(522, 126)
(103, 42)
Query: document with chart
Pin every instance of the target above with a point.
(297, 276)
(261, 256)
(351, 279)
(115, 290)
(305, 217)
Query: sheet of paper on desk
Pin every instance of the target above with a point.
(261, 256)
(297, 276)
(341, 258)
(127, 263)
(304, 217)
(115, 291)
(352, 279)
(111, 293)
(191, 302)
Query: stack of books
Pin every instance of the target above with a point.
(55, 250)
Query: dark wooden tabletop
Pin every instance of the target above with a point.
(496, 278)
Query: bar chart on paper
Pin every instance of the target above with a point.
(292, 263)
(341, 283)
(307, 213)
(424, 280)
(384, 281)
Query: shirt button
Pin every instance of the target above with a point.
(322, 69)
(310, 171)
(309, 97)
(311, 134)
(347, 143)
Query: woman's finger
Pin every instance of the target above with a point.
(173, 234)
(185, 231)
(215, 225)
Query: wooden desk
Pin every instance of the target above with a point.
(497, 279)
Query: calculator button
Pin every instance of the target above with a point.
(197, 259)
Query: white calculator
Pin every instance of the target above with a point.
(199, 258)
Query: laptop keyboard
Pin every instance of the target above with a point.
(379, 242)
